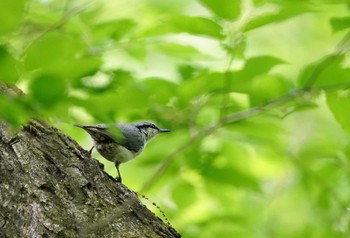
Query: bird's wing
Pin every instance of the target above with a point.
(126, 135)
(98, 132)
(132, 138)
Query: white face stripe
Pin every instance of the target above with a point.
(150, 133)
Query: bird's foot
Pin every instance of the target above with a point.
(90, 151)
(118, 179)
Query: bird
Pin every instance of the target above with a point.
(120, 143)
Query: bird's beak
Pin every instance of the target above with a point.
(164, 130)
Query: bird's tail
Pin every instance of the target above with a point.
(97, 132)
(96, 127)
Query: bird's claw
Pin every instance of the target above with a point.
(90, 151)
(118, 179)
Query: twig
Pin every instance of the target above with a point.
(66, 15)
(213, 127)
(341, 49)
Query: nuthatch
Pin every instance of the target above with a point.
(122, 142)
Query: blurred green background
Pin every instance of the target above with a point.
(256, 94)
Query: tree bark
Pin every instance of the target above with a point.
(51, 187)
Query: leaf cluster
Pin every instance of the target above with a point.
(255, 92)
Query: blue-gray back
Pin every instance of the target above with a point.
(132, 137)
(127, 135)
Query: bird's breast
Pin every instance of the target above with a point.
(115, 152)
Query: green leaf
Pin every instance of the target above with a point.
(242, 79)
(53, 53)
(61, 55)
(115, 29)
(186, 71)
(8, 71)
(133, 100)
(192, 25)
(11, 15)
(227, 9)
(327, 71)
(137, 50)
(261, 132)
(203, 83)
(339, 104)
(335, 1)
(260, 65)
(260, 2)
(81, 67)
(178, 50)
(340, 23)
(196, 26)
(13, 111)
(283, 11)
(232, 177)
(160, 90)
(267, 87)
(47, 90)
(183, 194)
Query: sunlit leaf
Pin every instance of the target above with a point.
(334, 1)
(340, 23)
(13, 111)
(327, 71)
(192, 25)
(232, 177)
(339, 104)
(47, 90)
(186, 71)
(283, 11)
(160, 90)
(260, 64)
(53, 52)
(177, 50)
(8, 66)
(266, 87)
(182, 189)
(223, 8)
(11, 15)
(242, 80)
(115, 29)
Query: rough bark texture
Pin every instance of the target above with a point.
(51, 187)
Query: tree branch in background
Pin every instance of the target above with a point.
(282, 100)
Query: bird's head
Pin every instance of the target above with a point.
(149, 129)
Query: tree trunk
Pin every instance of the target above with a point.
(51, 187)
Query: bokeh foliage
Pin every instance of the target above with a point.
(256, 93)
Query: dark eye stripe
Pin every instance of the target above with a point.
(149, 125)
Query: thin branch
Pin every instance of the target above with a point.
(254, 111)
(66, 15)
(213, 127)
(341, 49)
